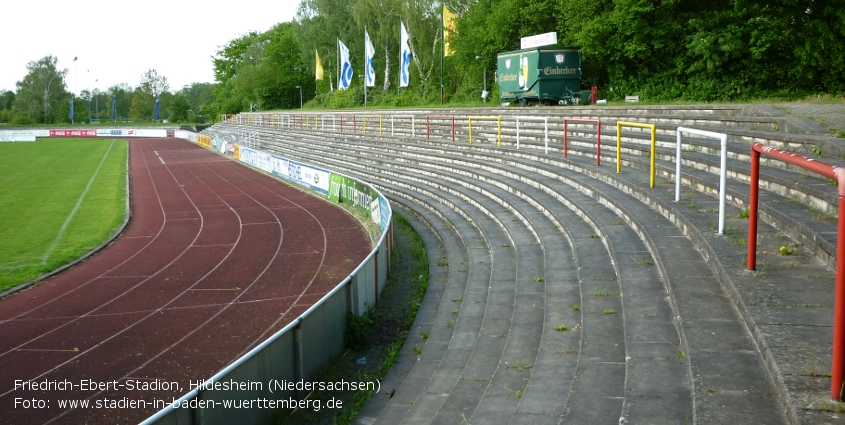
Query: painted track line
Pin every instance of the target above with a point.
(72, 214)
(224, 174)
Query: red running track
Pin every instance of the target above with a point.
(215, 259)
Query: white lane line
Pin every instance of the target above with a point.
(76, 208)
(162, 160)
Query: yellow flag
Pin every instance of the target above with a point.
(448, 29)
(319, 75)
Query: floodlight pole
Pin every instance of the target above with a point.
(88, 83)
(483, 94)
(73, 116)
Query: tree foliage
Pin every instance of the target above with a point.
(261, 71)
(42, 90)
(153, 86)
(657, 49)
(661, 50)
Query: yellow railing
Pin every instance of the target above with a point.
(619, 126)
(497, 119)
(379, 123)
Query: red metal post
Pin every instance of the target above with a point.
(354, 123)
(838, 359)
(752, 209)
(598, 137)
(341, 123)
(598, 143)
(564, 140)
(836, 378)
(838, 367)
(427, 128)
(453, 129)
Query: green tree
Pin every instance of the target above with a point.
(7, 99)
(42, 90)
(198, 96)
(178, 108)
(152, 86)
(124, 93)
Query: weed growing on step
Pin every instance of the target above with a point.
(562, 328)
(815, 368)
(520, 365)
(517, 393)
(602, 293)
(642, 261)
(737, 240)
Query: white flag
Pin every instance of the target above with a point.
(369, 69)
(345, 67)
(405, 58)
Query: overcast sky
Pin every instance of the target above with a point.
(116, 42)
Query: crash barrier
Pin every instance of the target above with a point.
(392, 117)
(31, 135)
(497, 119)
(837, 379)
(323, 122)
(280, 121)
(22, 135)
(354, 122)
(303, 350)
(545, 129)
(566, 121)
(723, 169)
(436, 119)
(379, 123)
(653, 128)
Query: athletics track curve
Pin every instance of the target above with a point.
(215, 259)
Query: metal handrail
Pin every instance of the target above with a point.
(545, 132)
(723, 170)
(837, 378)
(566, 121)
(653, 128)
(428, 119)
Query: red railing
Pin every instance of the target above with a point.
(831, 172)
(598, 137)
(354, 123)
(428, 119)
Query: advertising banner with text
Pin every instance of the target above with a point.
(361, 196)
(315, 178)
(131, 132)
(187, 135)
(73, 133)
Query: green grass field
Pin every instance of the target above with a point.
(59, 198)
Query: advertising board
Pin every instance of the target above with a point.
(73, 133)
(297, 172)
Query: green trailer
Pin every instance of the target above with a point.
(549, 75)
